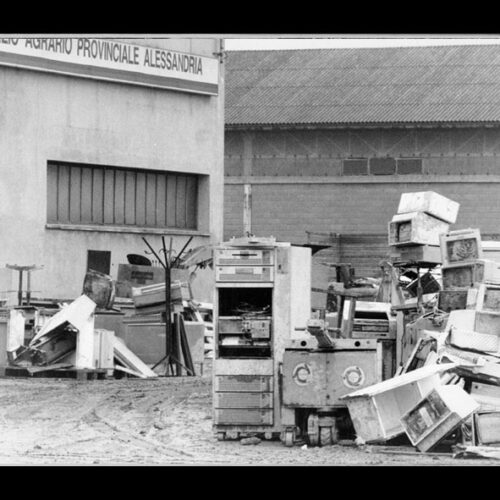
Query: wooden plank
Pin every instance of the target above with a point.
(161, 201)
(171, 181)
(86, 195)
(126, 356)
(109, 196)
(130, 200)
(180, 211)
(191, 202)
(52, 175)
(119, 202)
(140, 199)
(63, 194)
(150, 219)
(98, 196)
(129, 371)
(55, 366)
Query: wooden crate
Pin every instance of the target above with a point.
(431, 203)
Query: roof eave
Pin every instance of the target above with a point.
(364, 125)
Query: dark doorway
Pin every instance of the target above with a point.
(99, 260)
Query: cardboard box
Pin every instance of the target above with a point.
(130, 275)
(376, 411)
(436, 415)
(431, 203)
(416, 228)
(461, 246)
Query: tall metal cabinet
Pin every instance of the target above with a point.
(262, 295)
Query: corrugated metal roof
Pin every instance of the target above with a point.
(450, 84)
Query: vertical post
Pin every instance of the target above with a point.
(168, 316)
(28, 288)
(20, 291)
(247, 175)
(247, 209)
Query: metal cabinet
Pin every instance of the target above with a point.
(262, 295)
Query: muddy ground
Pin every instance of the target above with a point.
(164, 421)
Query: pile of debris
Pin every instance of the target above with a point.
(446, 389)
(67, 340)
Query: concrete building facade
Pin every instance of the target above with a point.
(103, 146)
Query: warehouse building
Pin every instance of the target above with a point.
(320, 144)
(103, 142)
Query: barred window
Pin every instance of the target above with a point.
(382, 166)
(358, 166)
(90, 194)
(409, 166)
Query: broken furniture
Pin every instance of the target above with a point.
(376, 410)
(262, 298)
(67, 340)
(436, 415)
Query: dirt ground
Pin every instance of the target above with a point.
(164, 421)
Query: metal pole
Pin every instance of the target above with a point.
(154, 253)
(28, 288)
(168, 317)
(20, 291)
(180, 253)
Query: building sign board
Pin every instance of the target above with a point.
(109, 59)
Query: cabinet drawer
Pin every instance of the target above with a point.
(247, 257)
(237, 400)
(243, 383)
(244, 273)
(243, 417)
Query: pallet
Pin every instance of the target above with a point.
(78, 374)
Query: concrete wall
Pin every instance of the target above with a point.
(52, 117)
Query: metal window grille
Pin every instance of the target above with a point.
(89, 194)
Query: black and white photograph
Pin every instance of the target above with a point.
(224, 249)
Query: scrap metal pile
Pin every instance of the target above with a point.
(67, 339)
(446, 388)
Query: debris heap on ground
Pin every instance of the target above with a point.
(446, 388)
